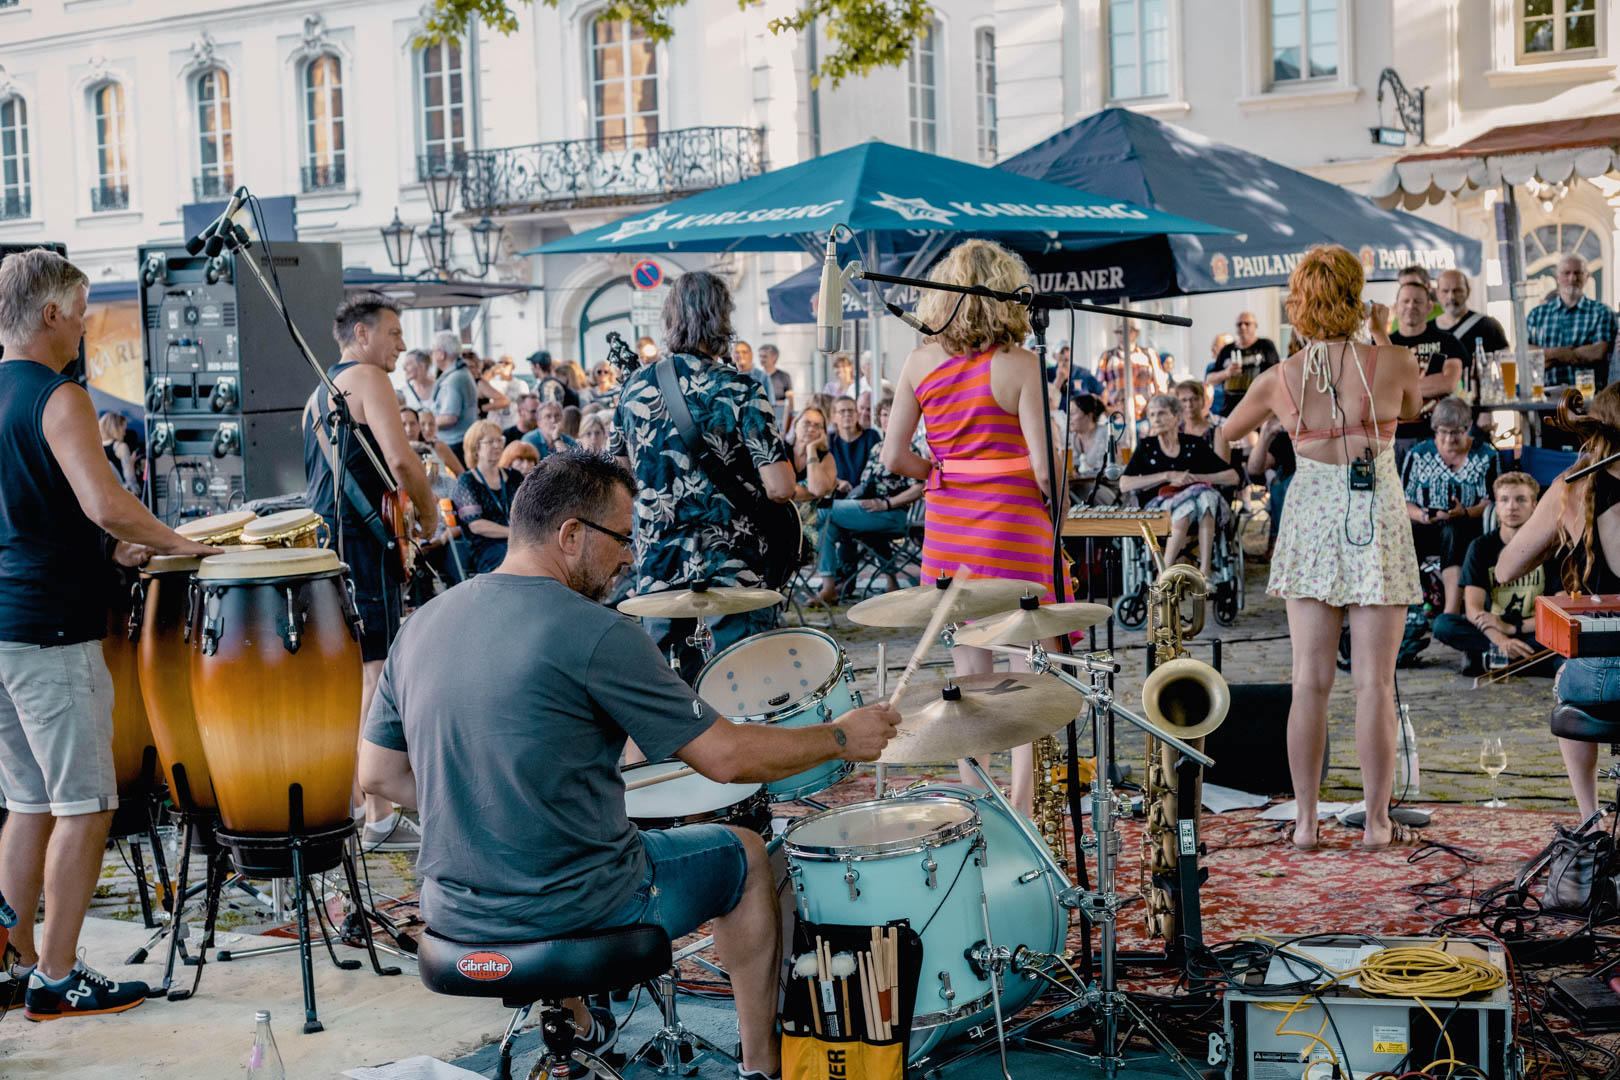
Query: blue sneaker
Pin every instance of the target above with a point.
(85, 992)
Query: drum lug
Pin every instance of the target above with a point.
(192, 599)
(137, 607)
(945, 990)
(796, 872)
(851, 875)
(982, 849)
(351, 610)
(289, 629)
(211, 623)
(929, 866)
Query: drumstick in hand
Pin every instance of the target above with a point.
(942, 615)
(651, 780)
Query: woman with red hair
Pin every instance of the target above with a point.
(1344, 546)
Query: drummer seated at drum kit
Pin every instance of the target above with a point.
(525, 833)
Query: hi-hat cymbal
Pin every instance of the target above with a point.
(1032, 624)
(993, 712)
(976, 598)
(699, 603)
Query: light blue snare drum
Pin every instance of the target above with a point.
(790, 677)
(918, 858)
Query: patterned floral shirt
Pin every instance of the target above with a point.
(879, 483)
(1430, 483)
(686, 529)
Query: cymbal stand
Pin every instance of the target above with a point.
(1107, 1002)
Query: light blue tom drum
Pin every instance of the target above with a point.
(928, 857)
(790, 677)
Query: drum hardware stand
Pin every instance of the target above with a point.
(674, 1049)
(140, 822)
(300, 845)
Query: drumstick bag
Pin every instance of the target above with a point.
(856, 1053)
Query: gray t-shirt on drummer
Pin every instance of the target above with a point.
(524, 833)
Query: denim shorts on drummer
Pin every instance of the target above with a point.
(56, 729)
(694, 873)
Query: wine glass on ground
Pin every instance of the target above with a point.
(1493, 759)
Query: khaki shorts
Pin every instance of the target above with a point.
(56, 732)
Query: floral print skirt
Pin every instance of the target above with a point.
(1345, 547)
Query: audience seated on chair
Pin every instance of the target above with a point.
(876, 510)
(1448, 482)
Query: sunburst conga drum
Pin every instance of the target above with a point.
(165, 669)
(289, 528)
(217, 530)
(275, 684)
(132, 732)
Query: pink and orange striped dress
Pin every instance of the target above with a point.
(984, 509)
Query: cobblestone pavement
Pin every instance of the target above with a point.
(1448, 715)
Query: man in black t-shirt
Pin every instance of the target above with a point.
(1439, 356)
(1237, 364)
(1499, 613)
(1468, 327)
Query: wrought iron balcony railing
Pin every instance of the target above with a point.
(323, 177)
(603, 171)
(15, 205)
(105, 197)
(214, 185)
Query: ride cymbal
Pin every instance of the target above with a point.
(1032, 624)
(976, 598)
(699, 603)
(988, 713)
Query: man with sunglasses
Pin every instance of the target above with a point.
(525, 835)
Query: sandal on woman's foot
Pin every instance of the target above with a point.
(1312, 846)
(1398, 834)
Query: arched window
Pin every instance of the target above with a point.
(216, 160)
(921, 97)
(323, 124)
(1546, 246)
(112, 148)
(15, 192)
(443, 87)
(624, 85)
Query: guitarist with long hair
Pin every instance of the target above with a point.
(710, 469)
(369, 533)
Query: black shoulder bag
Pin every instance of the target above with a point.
(778, 523)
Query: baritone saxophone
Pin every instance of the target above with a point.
(1188, 699)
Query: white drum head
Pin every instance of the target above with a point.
(273, 525)
(769, 672)
(894, 822)
(267, 565)
(205, 529)
(680, 797)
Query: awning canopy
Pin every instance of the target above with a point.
(1552, 151)
(428, 292)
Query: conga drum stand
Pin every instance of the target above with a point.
(299, 855)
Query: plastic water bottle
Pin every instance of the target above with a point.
(264, 1060)
(1406, 758)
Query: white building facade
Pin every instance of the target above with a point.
(114, 114)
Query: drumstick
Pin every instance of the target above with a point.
(651, 780)
(872, 1030)
(941, 616)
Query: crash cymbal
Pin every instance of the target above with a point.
(1031, 623)
(991, 712)
(976, 598)
(699, 603)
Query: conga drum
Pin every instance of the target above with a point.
(132, 733)
(165, 669)
(275, 684)
(217, 530)
(290, 528)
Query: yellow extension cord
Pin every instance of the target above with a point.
(1409, 971)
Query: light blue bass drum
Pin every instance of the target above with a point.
(791, 677)
(927, 857)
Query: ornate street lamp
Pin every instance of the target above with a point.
(436, 241)
(397, 237)
(441, 189)
(486, 241)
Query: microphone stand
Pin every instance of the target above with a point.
(1040, 305)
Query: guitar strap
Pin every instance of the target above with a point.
(353, 494)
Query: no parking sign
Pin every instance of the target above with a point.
(646, 275)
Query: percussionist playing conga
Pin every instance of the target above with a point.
(522, 804)
(57, 495)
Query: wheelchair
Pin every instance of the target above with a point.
(1140, 567)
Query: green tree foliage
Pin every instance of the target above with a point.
(864, 34)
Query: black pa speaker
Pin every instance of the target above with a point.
(1251, 748)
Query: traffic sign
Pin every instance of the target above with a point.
(647, 306)
(646, 274)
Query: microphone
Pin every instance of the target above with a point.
(1116, 427)
(213, 238)
(830, 306)
(910, 320)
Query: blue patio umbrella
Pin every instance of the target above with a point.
(873, 188)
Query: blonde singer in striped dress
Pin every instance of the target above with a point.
(978, 391)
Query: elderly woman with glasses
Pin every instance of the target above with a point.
(483, 495)
(1447, 480)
